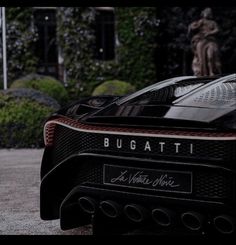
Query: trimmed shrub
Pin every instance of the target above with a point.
(45, 84)
(32, 94)
(113, 87)
(22, 117)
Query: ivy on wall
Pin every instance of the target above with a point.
(134, 62)
(76, 37)
(137, 30)
(21, 36)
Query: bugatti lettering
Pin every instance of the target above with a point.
(132, 145)
(146, 146)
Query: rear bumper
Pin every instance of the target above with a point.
(72, 216)
(213, 192)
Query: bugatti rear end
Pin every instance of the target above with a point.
(161, 160)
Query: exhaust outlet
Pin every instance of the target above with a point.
(110, 208)
(135, 213)
(192, 220)
(87, 204)
(224, 224)
(162, 216)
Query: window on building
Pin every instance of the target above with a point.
(105, 34)
(46, 46)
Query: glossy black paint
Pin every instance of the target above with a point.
(182, 102)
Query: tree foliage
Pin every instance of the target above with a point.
(20, 36)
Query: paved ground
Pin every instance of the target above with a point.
(19, 196)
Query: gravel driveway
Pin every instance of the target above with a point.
(19, 196)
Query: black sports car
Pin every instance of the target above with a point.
(161, 160)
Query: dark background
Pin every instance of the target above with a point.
(174, 50)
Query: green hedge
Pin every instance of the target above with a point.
(114, 87)
(45, 84)
(21, 121)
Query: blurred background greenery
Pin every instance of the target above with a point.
(67, 53)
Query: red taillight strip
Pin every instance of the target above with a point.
(70, 123)
(49, 133)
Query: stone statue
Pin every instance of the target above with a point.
(206, 60)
